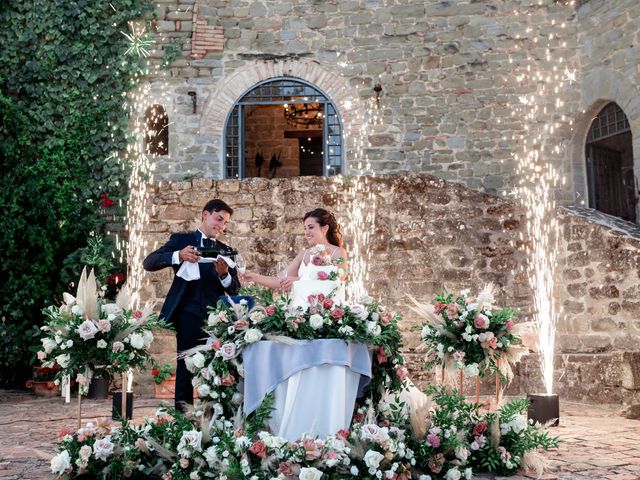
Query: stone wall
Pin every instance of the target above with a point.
(429, 234)
(452, 74)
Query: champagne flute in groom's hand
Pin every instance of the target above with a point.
(241, 264)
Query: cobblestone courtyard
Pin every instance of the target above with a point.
(596, 442)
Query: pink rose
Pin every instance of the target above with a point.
(289, 469)
(241, 324)
(480, 428)
(227, 381)
(271, 309)
(328, 303)
(509, 325)
(491, 343)
(382, 358)
(438, 307)
(385, 318)
(337, 313)
(216, 344)
(137, 314)
(323, 276)
(435, 464)
(104, 325)
(458, 356)
(228, 351)
(258, 448)
(317, 261)
(117, 346)
(452, 310)
(481, 321)
(184, 462)
(342, 433)
(401, 373)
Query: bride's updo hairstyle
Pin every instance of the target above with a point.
(325, 217)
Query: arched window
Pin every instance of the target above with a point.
(609, 156)
(283, 127)
(156, 131)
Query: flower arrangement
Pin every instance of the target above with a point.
(459, 442)
(162, 373)
(85, 335)
(320, 257)
(470, 333)
(218, 368)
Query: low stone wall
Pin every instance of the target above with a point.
(429, 234)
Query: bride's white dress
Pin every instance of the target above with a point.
(318, 400)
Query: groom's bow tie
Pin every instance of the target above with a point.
(208, 242)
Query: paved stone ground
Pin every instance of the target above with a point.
(596, 443)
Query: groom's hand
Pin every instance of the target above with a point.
(189, 254)
(221, 267)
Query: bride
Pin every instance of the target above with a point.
(323, 234)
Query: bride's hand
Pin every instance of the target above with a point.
(247, 277)
(287, 283)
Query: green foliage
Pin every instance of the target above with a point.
(63, 124)
(15, 340)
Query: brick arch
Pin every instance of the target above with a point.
(600, 87)
(230, 89)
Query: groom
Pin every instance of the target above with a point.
(186, 304)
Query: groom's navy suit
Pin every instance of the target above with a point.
(186, 304)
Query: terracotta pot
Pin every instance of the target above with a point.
(167, 389)
(44, 389)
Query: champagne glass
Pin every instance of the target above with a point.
(241, 263)
(281, 269)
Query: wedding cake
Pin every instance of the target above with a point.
(314, 280)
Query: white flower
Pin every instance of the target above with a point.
(63, 360)
(375, 316)
(190, 440)
(256, 316)
(198, 360)
(85, 453)
(48, 344)
(60, 463)
(468, 474)
(374, 328)
(309, 474)
(136, 340)
(485, 297)
(103, 448)
(316, 321)
(359, 311)
(211, 456)
(453, 474)
(87, 330)
(204, 390)
(227, 351)
(354, 471)
(346, 330)
(68, 299)
(471, 370)
(365, 300)
(77, 310)
(117, 347)
(69, 343)
(147, 335)
(111, 309)
(426, 331)
(372, 459)
(252, 335)
(424, 477)
(462, 453)
(101, 344)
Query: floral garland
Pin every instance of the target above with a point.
(459, 442)
(469, 333)
(218, 367)
(85, 335)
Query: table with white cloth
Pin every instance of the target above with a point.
(315, 383)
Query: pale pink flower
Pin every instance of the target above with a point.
(452, 310)
(104, 325)
(433, 440)
(401, 373)
(385, 318)
(228, 351)
(481, 321)
(117, 346)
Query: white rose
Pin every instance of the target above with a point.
(147, 335)
(211, 456)
(48, 344)
(87, 330)
(471, 370)
(518, 423)
(252, 335)
(374, 328)
(346, 330)
(453, 474)
(188, 362)
(365, 300)
(136, 340)
(375, 316)
(101, 344)
(69, 343)
(424, 477)
(462, 453)
(85, 453)
(63, 360)
(60, 463)
(77, 310)
(212, 320)
(468, 474)
(103, 448)
(111, 309)
(372, 459)
(359, 311)
(191, 440)
(198, 360)
(256, 316)
(316, 321)
(204, 390)
(227, 351)
(309, 474)
(354, 471)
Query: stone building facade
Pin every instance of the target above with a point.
(469, 90)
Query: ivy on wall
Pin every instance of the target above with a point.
(64, 75)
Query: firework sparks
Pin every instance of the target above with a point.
(139, 42)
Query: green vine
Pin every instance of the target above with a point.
(64, 76)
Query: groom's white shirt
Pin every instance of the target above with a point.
(191, 271)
